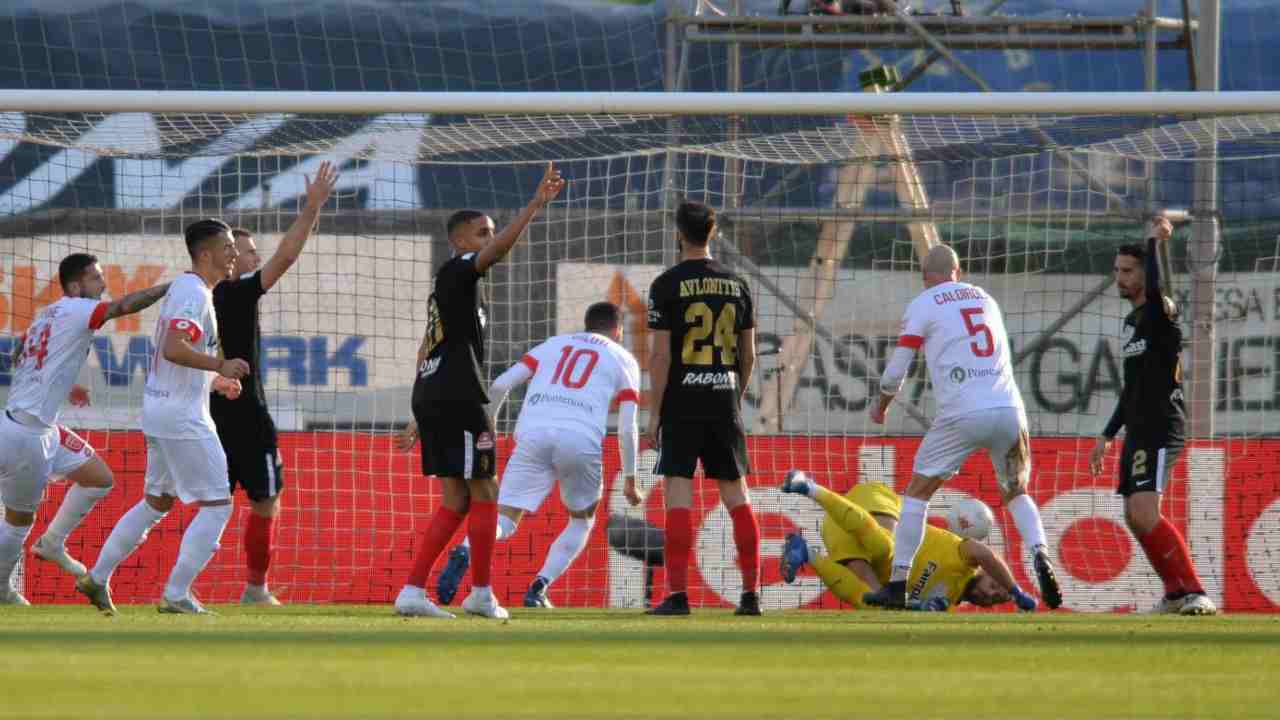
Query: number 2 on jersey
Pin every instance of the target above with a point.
(569, 356)
(722, 330)
(976, 328)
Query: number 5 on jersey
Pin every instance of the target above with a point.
(976, 328)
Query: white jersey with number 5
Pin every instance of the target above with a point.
(51, 354)
(966, 348)
(576, 379)
(175, 404)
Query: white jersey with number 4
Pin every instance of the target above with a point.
(175, 404)
(52, 352)
(576, 379)
(966, 348)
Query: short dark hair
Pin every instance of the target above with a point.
(1133, 250)
(695, 222)
(462, 217)
(199, 232)
(73, 266)
(239, 232)
(602, 317)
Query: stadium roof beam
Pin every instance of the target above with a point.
(959, 33)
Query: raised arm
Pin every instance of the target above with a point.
(295, 238)
(501, 244)
(1159, 230)
(135, 302)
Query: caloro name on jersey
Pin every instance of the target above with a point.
(957, 295)
(718, 380)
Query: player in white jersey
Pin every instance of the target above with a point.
(185, 460)
(967, 352)
(574, 380)
(33, 445)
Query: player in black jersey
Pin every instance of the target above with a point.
(245, 427)
(1152, 411)
(449, 398)
(704, 347)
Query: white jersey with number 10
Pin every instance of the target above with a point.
(51, 354)
(966, 348)
(576, 379)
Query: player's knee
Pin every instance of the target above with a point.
(161, 504)
(587, 515)
(1141, 519)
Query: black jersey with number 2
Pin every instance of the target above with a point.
(453, 370)
(704, 306)
(1151, 403)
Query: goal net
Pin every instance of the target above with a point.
(824, 214)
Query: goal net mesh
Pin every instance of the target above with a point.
(825, 218)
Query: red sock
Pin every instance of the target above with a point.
(679, 540)
(482, 529)
(746, 535)
(443, 524)
(1172, 548)
(257, 547)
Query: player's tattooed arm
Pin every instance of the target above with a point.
(136, 301)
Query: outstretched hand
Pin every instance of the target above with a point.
(550, 186)
(319, 189)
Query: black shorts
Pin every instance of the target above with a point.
(256, 468)
(720, 445)
(459, 445)
(1147, 465)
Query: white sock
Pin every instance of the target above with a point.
(75, 506)
(130, 532)
(199, 543)
(12, 538)
(506, 528)
(908, 536)
(1027, 517)
(565, 549)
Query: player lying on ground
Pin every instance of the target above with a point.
(33, 446)
(449, 398)
(961, 329)
(184, 458)
(573, 381)
(245, 427)
(702, 317)
(1154, 415)
(858, 534)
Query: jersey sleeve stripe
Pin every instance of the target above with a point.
(530, 362)
(186, 327)
(910, 341)
(99, 316)
(626, 395)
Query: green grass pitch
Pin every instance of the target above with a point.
(363, 662)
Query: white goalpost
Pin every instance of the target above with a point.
(826, 201)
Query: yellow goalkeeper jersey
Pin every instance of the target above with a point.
(939, 570)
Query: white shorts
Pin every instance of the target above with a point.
(31, 456)
(1001, 431)
(543, 456)
(193, 470)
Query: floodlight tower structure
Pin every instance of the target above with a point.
(723, 22)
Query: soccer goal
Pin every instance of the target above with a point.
(826, 203)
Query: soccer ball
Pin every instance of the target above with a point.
(970, 518)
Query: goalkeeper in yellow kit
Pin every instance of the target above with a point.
(858, 534)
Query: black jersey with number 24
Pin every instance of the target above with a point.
(704, 306)
(453, 370)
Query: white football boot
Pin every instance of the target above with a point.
(482, 602)
(1165, 606)
(413, 602)
(259, 595)
(57, 554)
(1197, 604)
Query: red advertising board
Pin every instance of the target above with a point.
(354, 508)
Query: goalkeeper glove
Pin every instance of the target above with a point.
(934, 604)
(1025, 602)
